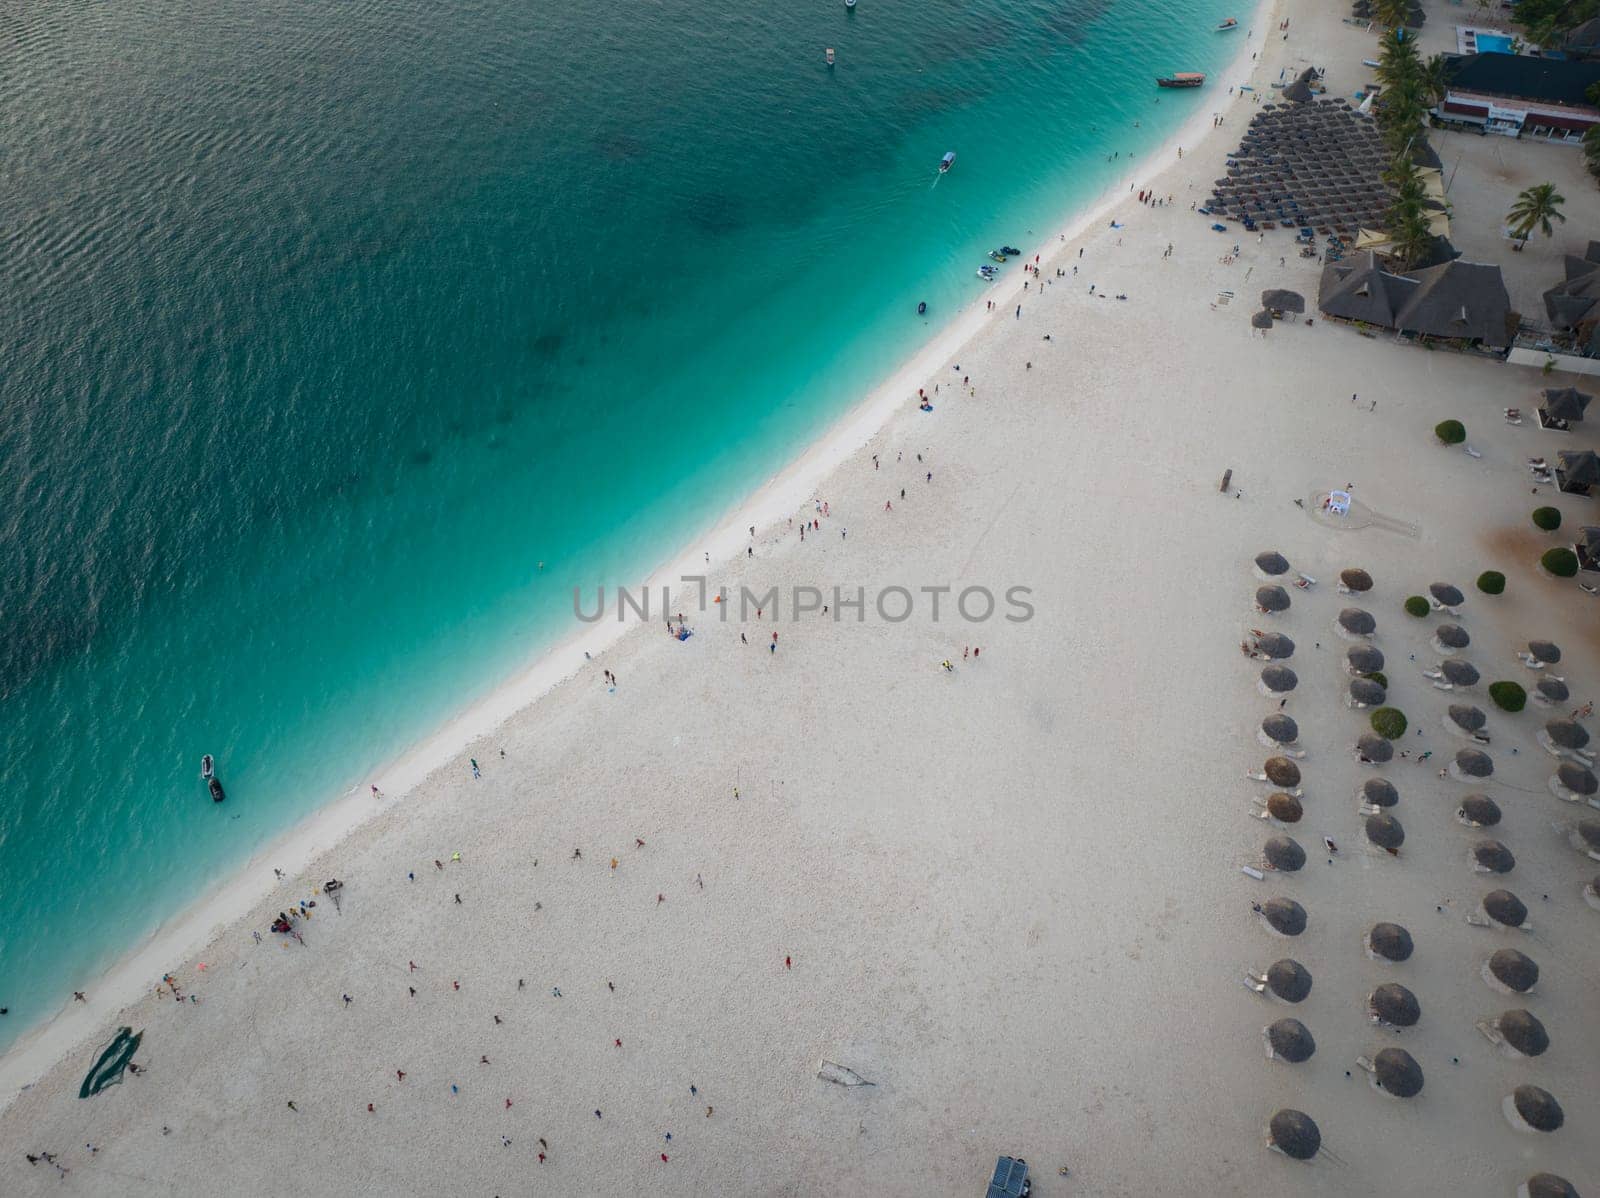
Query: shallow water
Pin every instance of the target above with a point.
(324, 324)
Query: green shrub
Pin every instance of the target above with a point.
(1560, 561)
(1547, 518)
(1508, 696)
(1450, 432)
(1417, 606)
(1389, 723)
(1379, 677)
(1492, 582)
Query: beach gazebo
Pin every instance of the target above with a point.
(1284, 916)
(1472, 763)
(1356, 622)
(1389, 941)
(1522, 1032)
(1378, 792)
(1508, 969)
(1504, 908)
(1574, 782)
(1372, 749)
(1288, 1040)
(1393, 1004)
(1366, 693)
(1396, 1072)
(1284, 854)
(1272, 599)
(1280, 729)
(1274, 645)
(1528, 1108)
(1385, 831)
(1478, 811)
(1289, 980)
(1562, 407)
(1363, 659)
(1278, 680)
(1577, 471)
(1492, 857)
(1354, 581)
(1294, 1134)
(1271, 564)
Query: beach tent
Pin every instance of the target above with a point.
(112, 1062)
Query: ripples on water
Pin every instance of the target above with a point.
(322, 323)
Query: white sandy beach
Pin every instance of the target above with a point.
(1010, 894)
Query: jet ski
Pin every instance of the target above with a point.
(997, 255)
(988, 274)
(1011, 251)
(215, 785)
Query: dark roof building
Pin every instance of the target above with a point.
(1459, 300)
(1513, 94)
(1574, 300)
(1583, 40)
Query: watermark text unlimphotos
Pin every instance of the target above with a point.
(974, 604)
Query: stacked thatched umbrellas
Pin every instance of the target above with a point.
(1310, 164)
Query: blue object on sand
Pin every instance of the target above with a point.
(1220, 228)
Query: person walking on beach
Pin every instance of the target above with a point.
(476, 772)
(1019, 311)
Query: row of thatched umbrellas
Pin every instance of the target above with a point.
(1393, 1070)
(1310, 165)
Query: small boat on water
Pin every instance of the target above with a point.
(988, 273)
(208, 767)
(849, 3)
(215, 786)
(922, 308)
(997, 255)
(1011, 251)
(1181, 79)
(830, 56)
(1230, 23)
(947, 162)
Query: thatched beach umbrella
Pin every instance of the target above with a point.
(1474, 763)
(1379, 792)
(1522, 1032)
(1272, 563)
(1357, 622)
(1294, 1134)
(1364, 659)
(1356, 580)
(1366, 693)
(1389, 941)
(1552, 689)
(1279, 680)
(1586, 837)
(1575, 780)
(1490, 856)
(1505, 908)
(1283, 853)
(1280, 771)
(1446, 594)
(1393, 1004)
(1459, 673)
(1545, 652)
(1274, 645)
(1284, 808)
(1513, 970)
(1397, 1072)
(1371, 747)
(1451, 636)
(1546, 1185)
(1284, 916)
(1288, 1039)
(1289, 980)
(1531, 1109)
(1283, 301)
(1261, 320)
(1467, 717)
(1564, 403)
(1569, 734)
(1478, 811)
(1280, 728)
(1272, 599)
(1385, 831)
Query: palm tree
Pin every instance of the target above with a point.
(1591, 150)
(1535, 208)
(1434, 79)
(1392, 13)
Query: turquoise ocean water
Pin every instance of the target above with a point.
(323, 323)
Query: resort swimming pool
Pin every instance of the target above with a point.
(1493, 43)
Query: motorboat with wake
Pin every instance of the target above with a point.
(947, 162)
(830, 56)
